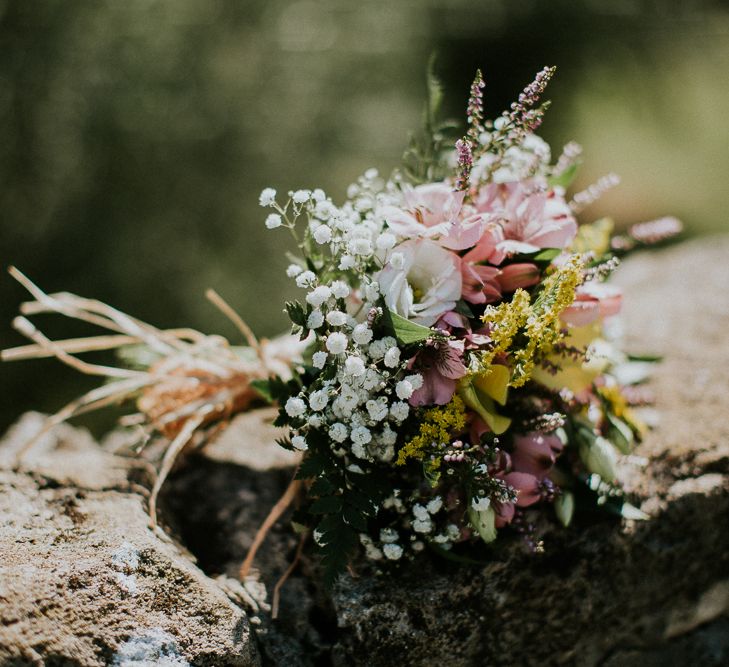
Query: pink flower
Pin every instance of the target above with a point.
(427, 285)
(535, 453)
(521, 220)
(592, 301)
(480, 283)
(440, 364)
(528, 492)
(514, 276)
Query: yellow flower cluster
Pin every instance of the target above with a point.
(439, 425)
(540, 320)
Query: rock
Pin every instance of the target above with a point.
(603, 593)
(83, 579)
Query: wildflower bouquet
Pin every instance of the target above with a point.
(460, 376)
(454, 374)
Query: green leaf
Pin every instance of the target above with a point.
(405, 331)
(326, 505)
(547, 255)
(321, 487)
(564, 507)
(355, 518)
(649, 358)
(483, 404)
(620, 434)
(263, 388)
(484, 522)
(565, 178)
(296, 313)
(600, 458)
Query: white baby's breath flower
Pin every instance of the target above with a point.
(435, 505)
(422, 525)
(399, 411)
(306, 279)
(299, 442)
(388, 535)
(354, 366)
(295, 407)
(322, 234)
(421, 512)
(372, 291)
(404, 390)
(315, 421)
(362, 334)
(346, 262)
(273, 221)
(318, 359)
(361, 435)
(377, 410)
(318, 400)
(293, 270)
(388, 437)
(392, 551)
(315, 319)
(416, 380)
(301, 196)
(338, 432)
(378, 348)
(358, 449)
(336, 318)
(337, 342)
(318, 295)
(385, 241)
(267, 197)
(481, 504)
(397, 260)
(340, 289)
(360, 247)
(318, 195)
(392, 358)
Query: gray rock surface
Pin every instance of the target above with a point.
(83, 579)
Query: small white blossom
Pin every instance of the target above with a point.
(388, 436)
(392, 359)
(385, 241)
(481, 504)
(372, 291)
(315, 421)
(435, 505)
(346, 262)
(267, 197)
(273, 221)
(359, 450)
(318, 295)
(399, 411)
(388, 535)
(295, 407)
(301, 196)
(318, 400)
(360, 247)
(293, 270)
(354, 366)
(338, 432)
(377, 410)
(392, 551)
(306, 279)
(337, 318)
(397, 260)
(322, 234)
(337, 342)
(353, 467)
(315, 319)
(362, 334)
(340, 289)
(378, 348)
(415, 380)
(318, 359)
(404, 390)
(299, 442)
(371, 380)
(422, 525)
(371, 174)
(361, 435)
(421, 512)
(318, 195)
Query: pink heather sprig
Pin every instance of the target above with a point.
(570, 155)
(464, 152)
(656, 231)
(591, 194)
(522, 113)
(474, 111)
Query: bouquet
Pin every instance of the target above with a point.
(453, 374)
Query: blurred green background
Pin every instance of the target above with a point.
(135, 135)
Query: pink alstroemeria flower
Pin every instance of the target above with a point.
(514, 276)
(480, 283)
(535, 453)
(528, 492)
(592, 300)
(440, 364)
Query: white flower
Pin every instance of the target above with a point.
(388, 535)
(362, 334)
(318, 359)
(354, 366)
(273, 221)
(415, 380)
(314, 421)
(322, 234)
(346, 262)
(392, 551)
(371, 380)
(371, 174)
(423, 525)
(318, 295)
(372, 291)
(293, 270)
(337, 318)
(397, 260)
(388, 436)
(434, 505)
(359, 450)
(299, 442)
(361, 435)
(385, 241)
(340, 289)
(301, 196)
(295, 407)
(318, 400)
(481, 504)
(421, 512)
(426, 286)
(337, 342)
(377, 410)
(378, 348)
(318, 195)
(306, 279)
(399, 411)
(315, 319)
(392, 358)
(360, 247)
(338, 432)
(404, 390)
(267, 197)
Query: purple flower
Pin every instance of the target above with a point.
(440, 364)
